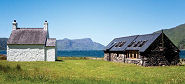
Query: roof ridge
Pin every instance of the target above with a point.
(127, 36)
(139, 35)
(29, 28)
(150, 34)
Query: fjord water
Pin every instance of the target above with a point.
(2, 52)
(81, 53)
(87, 53)
(76, 53)
(182, 54)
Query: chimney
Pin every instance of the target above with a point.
(46, 25)
(14, 25)
(46, 28)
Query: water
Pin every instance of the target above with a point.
(182, 54)
(88, 53)
(2, 52)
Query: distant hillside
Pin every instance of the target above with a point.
(3, 43)
(177, 35)
(78, 44)
(67, 44)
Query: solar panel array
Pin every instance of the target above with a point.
(136, 42)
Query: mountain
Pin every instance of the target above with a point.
(3, 43)
(78, 44)
(176, 35)
(67, 44)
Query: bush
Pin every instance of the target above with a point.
(5, 68)
(3, 57)
(18, 67)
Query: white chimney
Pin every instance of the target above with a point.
(46, 25)
(46, 28)
(14, 25)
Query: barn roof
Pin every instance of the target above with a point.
(51, 42)
(137, 42)
(127, 40)
(28, 36)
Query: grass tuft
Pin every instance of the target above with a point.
(18, 67)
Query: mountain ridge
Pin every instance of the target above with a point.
(176, 35)
(78, 44)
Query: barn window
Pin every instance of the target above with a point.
(143, 43)
(127, 55)
(131, 44)
(117, 55)
(134, 55)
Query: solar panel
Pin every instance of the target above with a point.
(113, 44)
(131, 44)
(135, 45)
(143, 43)
(117, 45)
(122, 43)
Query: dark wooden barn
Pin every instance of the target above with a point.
(147, 50)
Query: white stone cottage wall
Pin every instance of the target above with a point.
(25, 52)
(50, 53)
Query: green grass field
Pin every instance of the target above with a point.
(80, 71)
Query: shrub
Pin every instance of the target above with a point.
(5, 68)
(18, 67)
(3, 57)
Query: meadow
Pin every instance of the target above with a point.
(87, 71)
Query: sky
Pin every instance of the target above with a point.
(100, 20)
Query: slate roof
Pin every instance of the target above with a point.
(28, 36)
(51, 42)
(147, 38)
(111, 46)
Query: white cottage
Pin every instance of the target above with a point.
(31, 44)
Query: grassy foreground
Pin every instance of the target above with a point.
(87, 71)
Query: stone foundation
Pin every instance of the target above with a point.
(121, 58)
